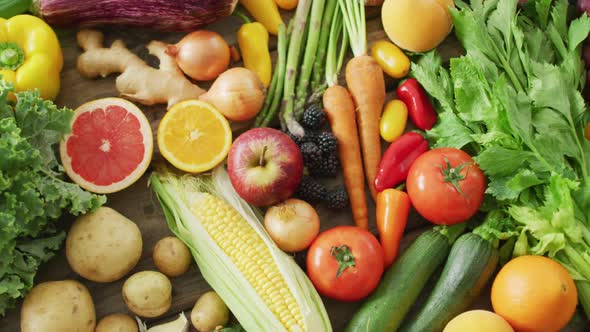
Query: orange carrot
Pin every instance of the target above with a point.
(366, 83)
(339, 109)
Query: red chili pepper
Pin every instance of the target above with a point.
(393, 208)
(398, 158)
(419, 107)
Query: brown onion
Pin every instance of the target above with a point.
(237, 93)
(202, 55)
(293, 224)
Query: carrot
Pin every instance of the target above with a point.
(339, 109)
(366, 84)
(365, 81)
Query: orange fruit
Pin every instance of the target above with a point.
(534, 294)
(478, 320)
(194, 137)
(110, 146)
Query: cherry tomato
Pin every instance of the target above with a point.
(345, 263)
(446, 186)
(391, 59)
(393, 120)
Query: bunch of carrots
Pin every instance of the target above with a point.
(366, 95)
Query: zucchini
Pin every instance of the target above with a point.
(471, 264)
(400, 286)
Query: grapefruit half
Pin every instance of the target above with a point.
(110, 146)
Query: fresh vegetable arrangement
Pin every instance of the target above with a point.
(495, 156)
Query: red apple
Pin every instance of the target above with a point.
(265, 166)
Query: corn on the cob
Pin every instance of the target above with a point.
(262, 286)
(246, 249)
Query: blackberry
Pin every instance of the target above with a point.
(311, 190)
(298, 140)
(327, 143)
(311, 153)
(311, 136)
(313, 117)
(328, 167)
(337, 199)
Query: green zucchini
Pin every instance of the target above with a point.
(385, 309)
(471, 264)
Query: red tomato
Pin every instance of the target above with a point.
(345, 263)
(446, 186)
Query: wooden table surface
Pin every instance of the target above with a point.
(138, 202)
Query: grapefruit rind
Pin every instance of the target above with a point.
(172, 158)
(137, 172)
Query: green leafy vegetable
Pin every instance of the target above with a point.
(33, 193)
(514, 101)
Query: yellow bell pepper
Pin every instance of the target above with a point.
(265, 12)
(253, 42)
(30, 55)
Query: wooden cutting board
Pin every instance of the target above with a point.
(139, 204)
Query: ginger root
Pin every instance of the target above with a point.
(138, 81)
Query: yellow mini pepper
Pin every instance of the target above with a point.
(253, 42)
(393, 120)
(265, 12)
(392, 60)
(30, 55)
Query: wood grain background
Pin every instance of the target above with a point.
(139, 204)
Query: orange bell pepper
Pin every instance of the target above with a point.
(393, 208)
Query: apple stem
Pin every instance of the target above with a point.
(262, 161)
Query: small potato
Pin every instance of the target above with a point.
(103, 246)
(116, 323)
(209, 312)
(148, 293)
(172, 256)
(64, 306)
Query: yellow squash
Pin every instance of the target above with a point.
(253, 42)
(265, 12)
(30, 55)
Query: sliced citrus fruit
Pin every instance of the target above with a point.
(194, 137)
(110, 146)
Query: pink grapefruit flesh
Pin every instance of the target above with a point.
(110, 145)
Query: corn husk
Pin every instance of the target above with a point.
(176, 195)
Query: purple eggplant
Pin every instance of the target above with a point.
(166, 15)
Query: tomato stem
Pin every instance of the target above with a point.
(453, 175)
(344, 257)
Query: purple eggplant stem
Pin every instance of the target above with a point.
(165, 15)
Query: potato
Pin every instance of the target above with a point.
(64, 306)
(148, 293)
(209, 312)
(103, 246)
(417, 25)
(172, 257)
(116, 323)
